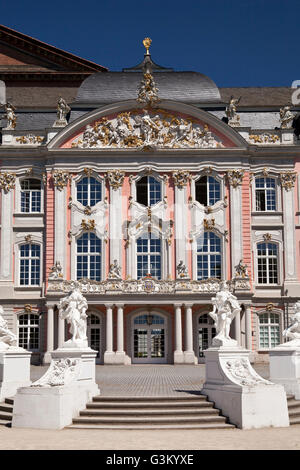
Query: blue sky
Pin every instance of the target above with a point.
(234, 42)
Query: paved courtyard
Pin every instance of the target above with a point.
(149, 380)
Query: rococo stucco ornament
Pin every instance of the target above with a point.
(30, 139)
(182, 271)
(61, 372)
(181, 178)
(225, 308)
(233, 117)
(288, 180)
(7, 181)
(114, 270)
(241, 269)
(56, 271)
(7, 338)
(115, 178)
(293, 331)
(88, 225)
(286, 117)
(235, 177)
(264, 138)
(145, 128)
(72, 308)
(241, 371)
(60, 179)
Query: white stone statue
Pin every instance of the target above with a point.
(55, 271)
(114, 271)
(226, 307)
(286, 117)
(10, 116)
(293, 331)
(73, 308)
(182, 271)
(7, 338)
(62, 110)
(233, 117)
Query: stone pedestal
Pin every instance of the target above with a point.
(248, 400)
(14, 371)
(57, 397)
(285, 368)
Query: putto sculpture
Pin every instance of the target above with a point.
(225, 308)
(7, 338)
(293, 331)
(72, 308)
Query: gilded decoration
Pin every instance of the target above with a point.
(30, 139)
(181, 178)
(209, 224)
(286, 117)
(10, 116)
(146, 129)
(269, 307)
(264, 138)
(7, 181)
(60, 178)
(235, 177)
(241, 270)
(288, 180)
(115, 178)
(88, 225)
(267, 237)
(233, 117)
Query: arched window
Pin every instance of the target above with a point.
(89, 257)
(30, 264)
(265, 194)
(269, 330)
(208, 191)
(29, 331)
(148, 191)
(89, 191)
(148, 248)
(30, 195)
(209, 261)
(267, 263)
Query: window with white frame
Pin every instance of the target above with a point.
(30, 264)
(148, 191)
(267, 263)
(31, 195)
(148, 248)
(29, 331)
(265, 194)
(88, 257)
(89, 191)
(269, 330)
(209, 256)
(208, 190)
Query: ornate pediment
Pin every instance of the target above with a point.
(146, 128)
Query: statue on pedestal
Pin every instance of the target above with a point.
(10, 116)
(73, 308)
(62, 110)
(286, 117)
(7, 338)
(293, 331)
(226, 307)
(114, 271)
(233, 117)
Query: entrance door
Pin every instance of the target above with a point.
(206, 332)
(94, 334)
(149, 339)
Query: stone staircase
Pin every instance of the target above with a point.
(6, 412)
(189, 412)
(294, 409)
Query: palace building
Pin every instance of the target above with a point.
(147, 188)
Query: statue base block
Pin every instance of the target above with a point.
(285, 368)
(14, 371)
(57, 397)
(248, 400)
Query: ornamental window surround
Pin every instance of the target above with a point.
(265, 194)
(268, 330)
(31, 195)
(29, 264)
(88, 257)
(29, 331)
(209, 256)
(89, 191)
(149, 256)
(267, 263)
(207, 190)
(148, 191)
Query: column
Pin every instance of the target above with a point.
(189, 356)
(109, 355)
(120, 354)
(248, 327)
(50, 334)
(61, 332)
(178, 353)
(6, 247)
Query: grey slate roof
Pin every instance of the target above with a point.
(258, 96)
(109, 87)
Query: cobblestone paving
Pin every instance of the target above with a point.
(150, 380)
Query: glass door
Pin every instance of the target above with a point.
(206, 332)
(149, 339)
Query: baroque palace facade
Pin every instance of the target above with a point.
(147, 188)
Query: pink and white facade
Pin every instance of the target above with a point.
(169, 195)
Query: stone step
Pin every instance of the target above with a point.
(294, 413)
(153, 426)
(294, 420)
(5, 415)
(4, 422)
(293, 404)
(6, 407)
(151, 412)
(149, 420)
(9, 401)
(139, 399)
(153, 405)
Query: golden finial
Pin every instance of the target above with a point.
(147, 44)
